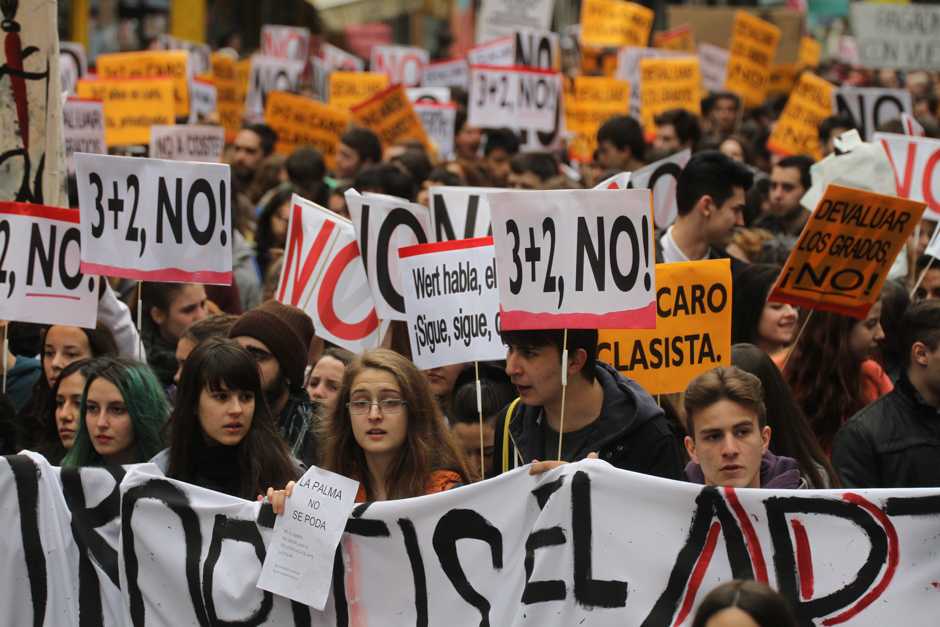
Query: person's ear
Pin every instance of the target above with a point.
(157, 315)
(706, 206)
(576, 360)
(765, 439)
(919, 354)
(690, 447)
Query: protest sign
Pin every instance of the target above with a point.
(40, 276)
(300, 121)
(177, 554)
(845, 251)
(615, 23)
(595, 100)
(402, 64)
(679, 39)
(714, 24)
(911, 126)
(914, 160)
(782, 79)
(498, 18)
(200, 54)
(713, 62)
(270, 74)
(439, 122)
(299, 563)
(497, 53)
(753, 46)
(933, 246)
(204, 99)
(692, 334)
(574, 259)
(452, 302)
(385, 224)
(359, 38)
(152, 63)
(870, 106)
(460, 212)
(428, 95)
(338, 59)
(537, 48)
(810, 53)
(897, 36)
(323, 274)
(122, 199)
(391, 116)
(797, 130)
(617, 181)
(83, 126)
(348, 89)
(285, 42)
(628, 69)
(131, 106)
(505, 96)
(188, 142)
(448, 73)
(230, 107)
(73, 64)
(671, 83)
(661, 177)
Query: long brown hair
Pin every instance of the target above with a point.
(429, 445)
(263, 458)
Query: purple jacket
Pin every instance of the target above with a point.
(776, 473)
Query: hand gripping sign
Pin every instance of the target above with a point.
(574, 259)
(40, 277)
(384, 224)
(845, 251)
(323, 275)
(452, 302)
(155, 220)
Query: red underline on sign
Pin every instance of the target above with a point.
(56, 296)
(169, 274)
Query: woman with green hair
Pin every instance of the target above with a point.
(122, 411)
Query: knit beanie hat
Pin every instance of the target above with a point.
(287, 332)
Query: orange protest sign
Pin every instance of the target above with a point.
(782, 79)
(391, 116)
(797, 130)
(243, 68)
(679, 39)
(668, 83)
(753, 46)
(131, 106)
(230, 107)
(692, 334)
(348, 89)
(845, 251)
(593, 101)
(615, 23)
(809, 54)
(300, 121)
(173, 63)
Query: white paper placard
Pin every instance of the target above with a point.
(285, 42)
(915, 160)
(189, 142)
(460, 212)
(339, 59)
(903, 37)
(535, 47)
(402, 64)
(525, 97)
(270, 74)
(83, 126)
(497, 53)
(617, 181)
(204, 98)
(448, 73)
(661, 177)
(439, 122)
(498, 18)
(870, 106)
(713, 63)
(72, 64)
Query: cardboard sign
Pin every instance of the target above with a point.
(679, 39)
(753, 46)
(810, 53)
(439, 122)
(385, 224)
(615, 23)
(537, 48)
(300, 121)
(285, 42)
(896, 36)
(73, 64)
(40, 278)
(131, 106)
(628, 69)
(155, 220)
(523, 96)
(460, 212)
(497, 53)
(574, 259)
(83, 125)
(845, 251)
(391, 116)
(270, 74)
(665, 84)
(323, 274)
(498, 18)
(230, 107)
(348, 89)
(188, 142)
(200, 54)
(448, 73)
(338, 59)
(660, 178)
(692, 334)
(870, 106)
(713, 63)
(782, 79)
(205, 99)
(402, 64)
(915, 168)
(595, 100)
(172, 63)
(452, 302)
(797, 130)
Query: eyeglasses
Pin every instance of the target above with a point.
(388, 406)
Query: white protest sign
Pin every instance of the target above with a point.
(384, 224)
(911, 126)
(628, 69)
(447, 73)
(204, 98)
(269, 74)
(617, 181)
(190, 142)
(40, 276)
(299, 563)
(513, 96)
(321, 79)
(914, 160)
(338, 59)
(155, 220)
(661, 177)
(430, 95)
(498, 18)
(73, 64)
(497, 53)
(460, 212)
(322, 273)
(903, 37)
(402, 64)
(286, 42)
(452, 302)
(870, 106)
(439, 122)
(537, 48)
(575, 259)
(83, 126)
(713, 63)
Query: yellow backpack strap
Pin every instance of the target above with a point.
(512, 408)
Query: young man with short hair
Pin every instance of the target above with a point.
(830, 128)
(929, 288)
(678, 129)
(789, 180)
(252, 143)
(359, 148)
(620, 144)
(721, 111)
(501, 145)
(530, 170)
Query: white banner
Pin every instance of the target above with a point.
(270, 74)
(713, 62)
(73, 64)
(661, 177)
(575, 259)
(497, 53)
(452, 302)
(285, 42)
(460, 212)
(40, 276)
(83, 126)
(870, 106)
(914, 160)
(323, 274)
(384, 224)
(439, 122)
(338, 59)
(449, 73)
(585, 544)
(537, 48)
(498, 18)
(155, 220)
(402, 64)
(187, 143)
(204, 99)
(628, 69)
(513, 97)
(903, 37)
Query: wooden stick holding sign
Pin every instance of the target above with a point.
(564, 388)
(921, 277)
(140, 308)
(796, 339)
(476, 371)
(6, 351)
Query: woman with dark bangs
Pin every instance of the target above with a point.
(221, 435)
